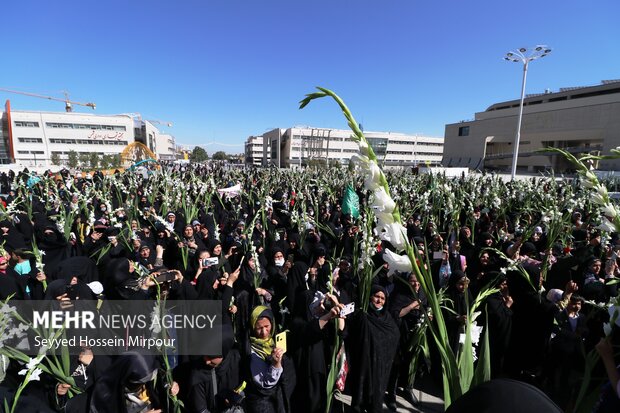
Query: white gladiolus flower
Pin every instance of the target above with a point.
(397, 262)
(35, 375)
(373, 176)
(606, 225)
(473, 318)
(609, 211)
(476, 332)
(590, 176)
(382, 201)
(600, 195)
(394, 234)
(360, 160)
(363, 147)
(33, 362)
(384, 218)
(587, 183)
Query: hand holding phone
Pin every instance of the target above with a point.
(347, 309)
(207, 262)
(281, 341)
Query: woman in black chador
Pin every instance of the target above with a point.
(129, 386)
(371, 346)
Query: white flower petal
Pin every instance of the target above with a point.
(609, 211)
(606, 225)
(395, 234)
(35, 375)
(382, 201)
(384, 218)
(397, 262)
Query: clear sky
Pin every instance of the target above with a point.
(223, 70)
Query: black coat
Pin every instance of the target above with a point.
(371, 346)
(201, 397)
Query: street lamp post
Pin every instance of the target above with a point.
(525, 56)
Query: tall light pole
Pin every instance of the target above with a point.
(525, 56)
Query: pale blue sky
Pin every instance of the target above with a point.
(224, 70)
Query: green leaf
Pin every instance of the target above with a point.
(483, 368)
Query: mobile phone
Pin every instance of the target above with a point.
(207, 262)
(438, 255)
(281, 341)
(348, 309)
(165, 277)
(291, 258)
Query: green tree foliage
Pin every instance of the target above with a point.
(93, 160)
(220, 156)
(106, 161)
(198, 155)
(55, 158)
(116, 160)
(84, 159)
(73, 159)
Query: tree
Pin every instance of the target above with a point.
(220, 156)
(198, 155)
(116, 160)
(93, 159)
(84, 159)
(55, 158)
(73, 159)
(316, 163)
(334, 163)
(106, 161)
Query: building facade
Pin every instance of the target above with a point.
(30, 138)
(301, 146)
(254, 151)
(580, 120)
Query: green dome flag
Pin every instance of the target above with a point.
(351, 203)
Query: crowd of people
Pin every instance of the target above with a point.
(282, 254)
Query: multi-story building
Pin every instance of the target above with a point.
(302, 145)
(254, 151)
(30, 138)
(579, 119)
(165, 147)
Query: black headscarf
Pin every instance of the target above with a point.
(201, 395)
(506, 396)
(120, 284)
(130, 369)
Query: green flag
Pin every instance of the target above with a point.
(351, 203)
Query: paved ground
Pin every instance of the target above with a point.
(426, 392)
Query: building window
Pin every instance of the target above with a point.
(464, 131)
(30, 152)
(25, 124)
(30, 140)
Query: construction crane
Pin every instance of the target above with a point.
(68, 103)
(160, 122)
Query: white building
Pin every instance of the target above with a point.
(299, 145)
(29, 138)
(165, 147)
(581, 120)
(254, 151)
